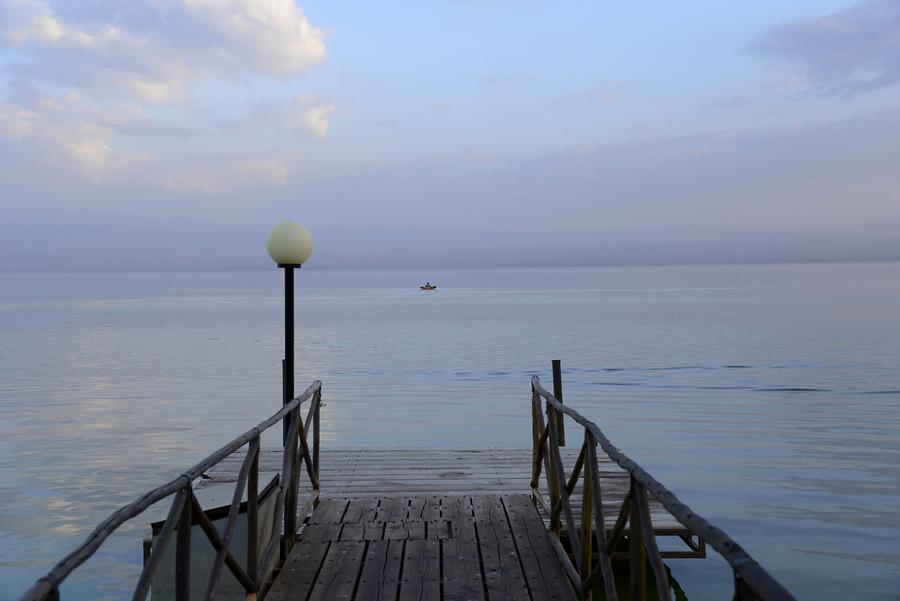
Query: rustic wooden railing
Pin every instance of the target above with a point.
(591, 545)
(185, 510)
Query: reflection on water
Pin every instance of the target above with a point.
(765, 396)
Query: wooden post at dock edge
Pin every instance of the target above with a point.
(557, 392)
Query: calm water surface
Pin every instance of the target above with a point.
(767, 397)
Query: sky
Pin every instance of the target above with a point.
(452, 131)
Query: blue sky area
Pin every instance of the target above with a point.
(686, 121)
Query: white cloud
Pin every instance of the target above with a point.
(271, 36)
(158, 92)
(218, 174)
(192, 181)
(15, 122)
(307, 118)
(221, 38)
(112, 68)
(32, 21)
(85, 146)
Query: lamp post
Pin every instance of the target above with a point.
(289, 245)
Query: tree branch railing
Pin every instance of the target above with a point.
(591, 539)
(185, 510)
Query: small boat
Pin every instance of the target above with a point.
(428, 286)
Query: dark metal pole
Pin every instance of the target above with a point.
(288, 339)
(557, 392)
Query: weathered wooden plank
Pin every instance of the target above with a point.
(362, 531)
(416, 507)
(391, 508)
(546, 577)
(361, 510)
(501, 570)
(353, 531)
(406, 530)
(298, 575)
(321, 532)
(421, 572)
(437, 529)
(424, 508)
(432, 510)
(462, 572)
(329, 511)
(337, 579)
(458, 512)
(380, 577)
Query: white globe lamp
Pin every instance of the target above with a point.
(289, 244)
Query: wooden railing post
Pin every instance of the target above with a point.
(253, 512)
(558, 393)
(636, 550)
(587, 502)
(295, 479)
(553, 476)
(290, 499)
(535, 437)
(183, 551)
(604, 569)
(317, 406)
(562, 492)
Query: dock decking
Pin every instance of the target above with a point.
(434, 524)
(448, 548)
(386, 473)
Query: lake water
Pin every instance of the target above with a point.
(767, 397)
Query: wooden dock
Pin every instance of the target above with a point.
(428, 473)
(451, 548)
(546, 523)
(456, 523)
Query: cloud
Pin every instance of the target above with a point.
(217, 174)
(16, 122)
(306, 118)
(802, 176)
(843, 54)
(93, 73)
(838, 175)
(61, 136)
(270, 36)
(154, 61)
(33, 22)
(309, 115)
